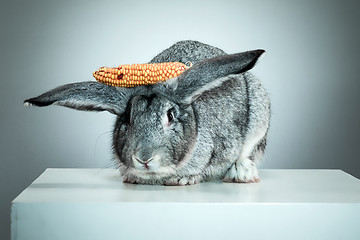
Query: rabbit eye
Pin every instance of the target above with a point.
(170, 115)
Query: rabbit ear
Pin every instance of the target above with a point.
(86, 96)
(211, 73)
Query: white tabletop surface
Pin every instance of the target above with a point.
(276, 186)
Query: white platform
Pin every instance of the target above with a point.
(95, 204)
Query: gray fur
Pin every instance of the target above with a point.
(187, 51)
(209, 123)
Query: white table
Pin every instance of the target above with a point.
(95, 204)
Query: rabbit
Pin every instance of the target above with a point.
(209, 123)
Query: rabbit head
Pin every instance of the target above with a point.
(152, 137)
(157, 128)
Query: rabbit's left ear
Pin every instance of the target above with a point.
(209, 74)
(86, 96)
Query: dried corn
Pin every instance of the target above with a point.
(139, 74)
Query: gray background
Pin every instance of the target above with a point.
(310, 70)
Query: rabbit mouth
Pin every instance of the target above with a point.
(145, 163)
(150, 165)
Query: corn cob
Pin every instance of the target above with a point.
(139, 74)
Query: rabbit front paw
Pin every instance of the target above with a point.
(244, 171)
(176, 181)
(130, 180)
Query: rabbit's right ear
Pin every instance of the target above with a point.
(86, 96)
(209, 74)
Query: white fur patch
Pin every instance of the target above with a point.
(27, 104)
(251, 142)
(175, 181)
(244, 170)
(142, 173)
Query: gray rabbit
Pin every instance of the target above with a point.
(211, 122)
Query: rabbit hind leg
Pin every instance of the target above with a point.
(244, 170)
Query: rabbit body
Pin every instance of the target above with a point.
(225, 137)
(211, 122)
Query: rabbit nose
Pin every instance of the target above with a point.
(141, 164)
(142, 161)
